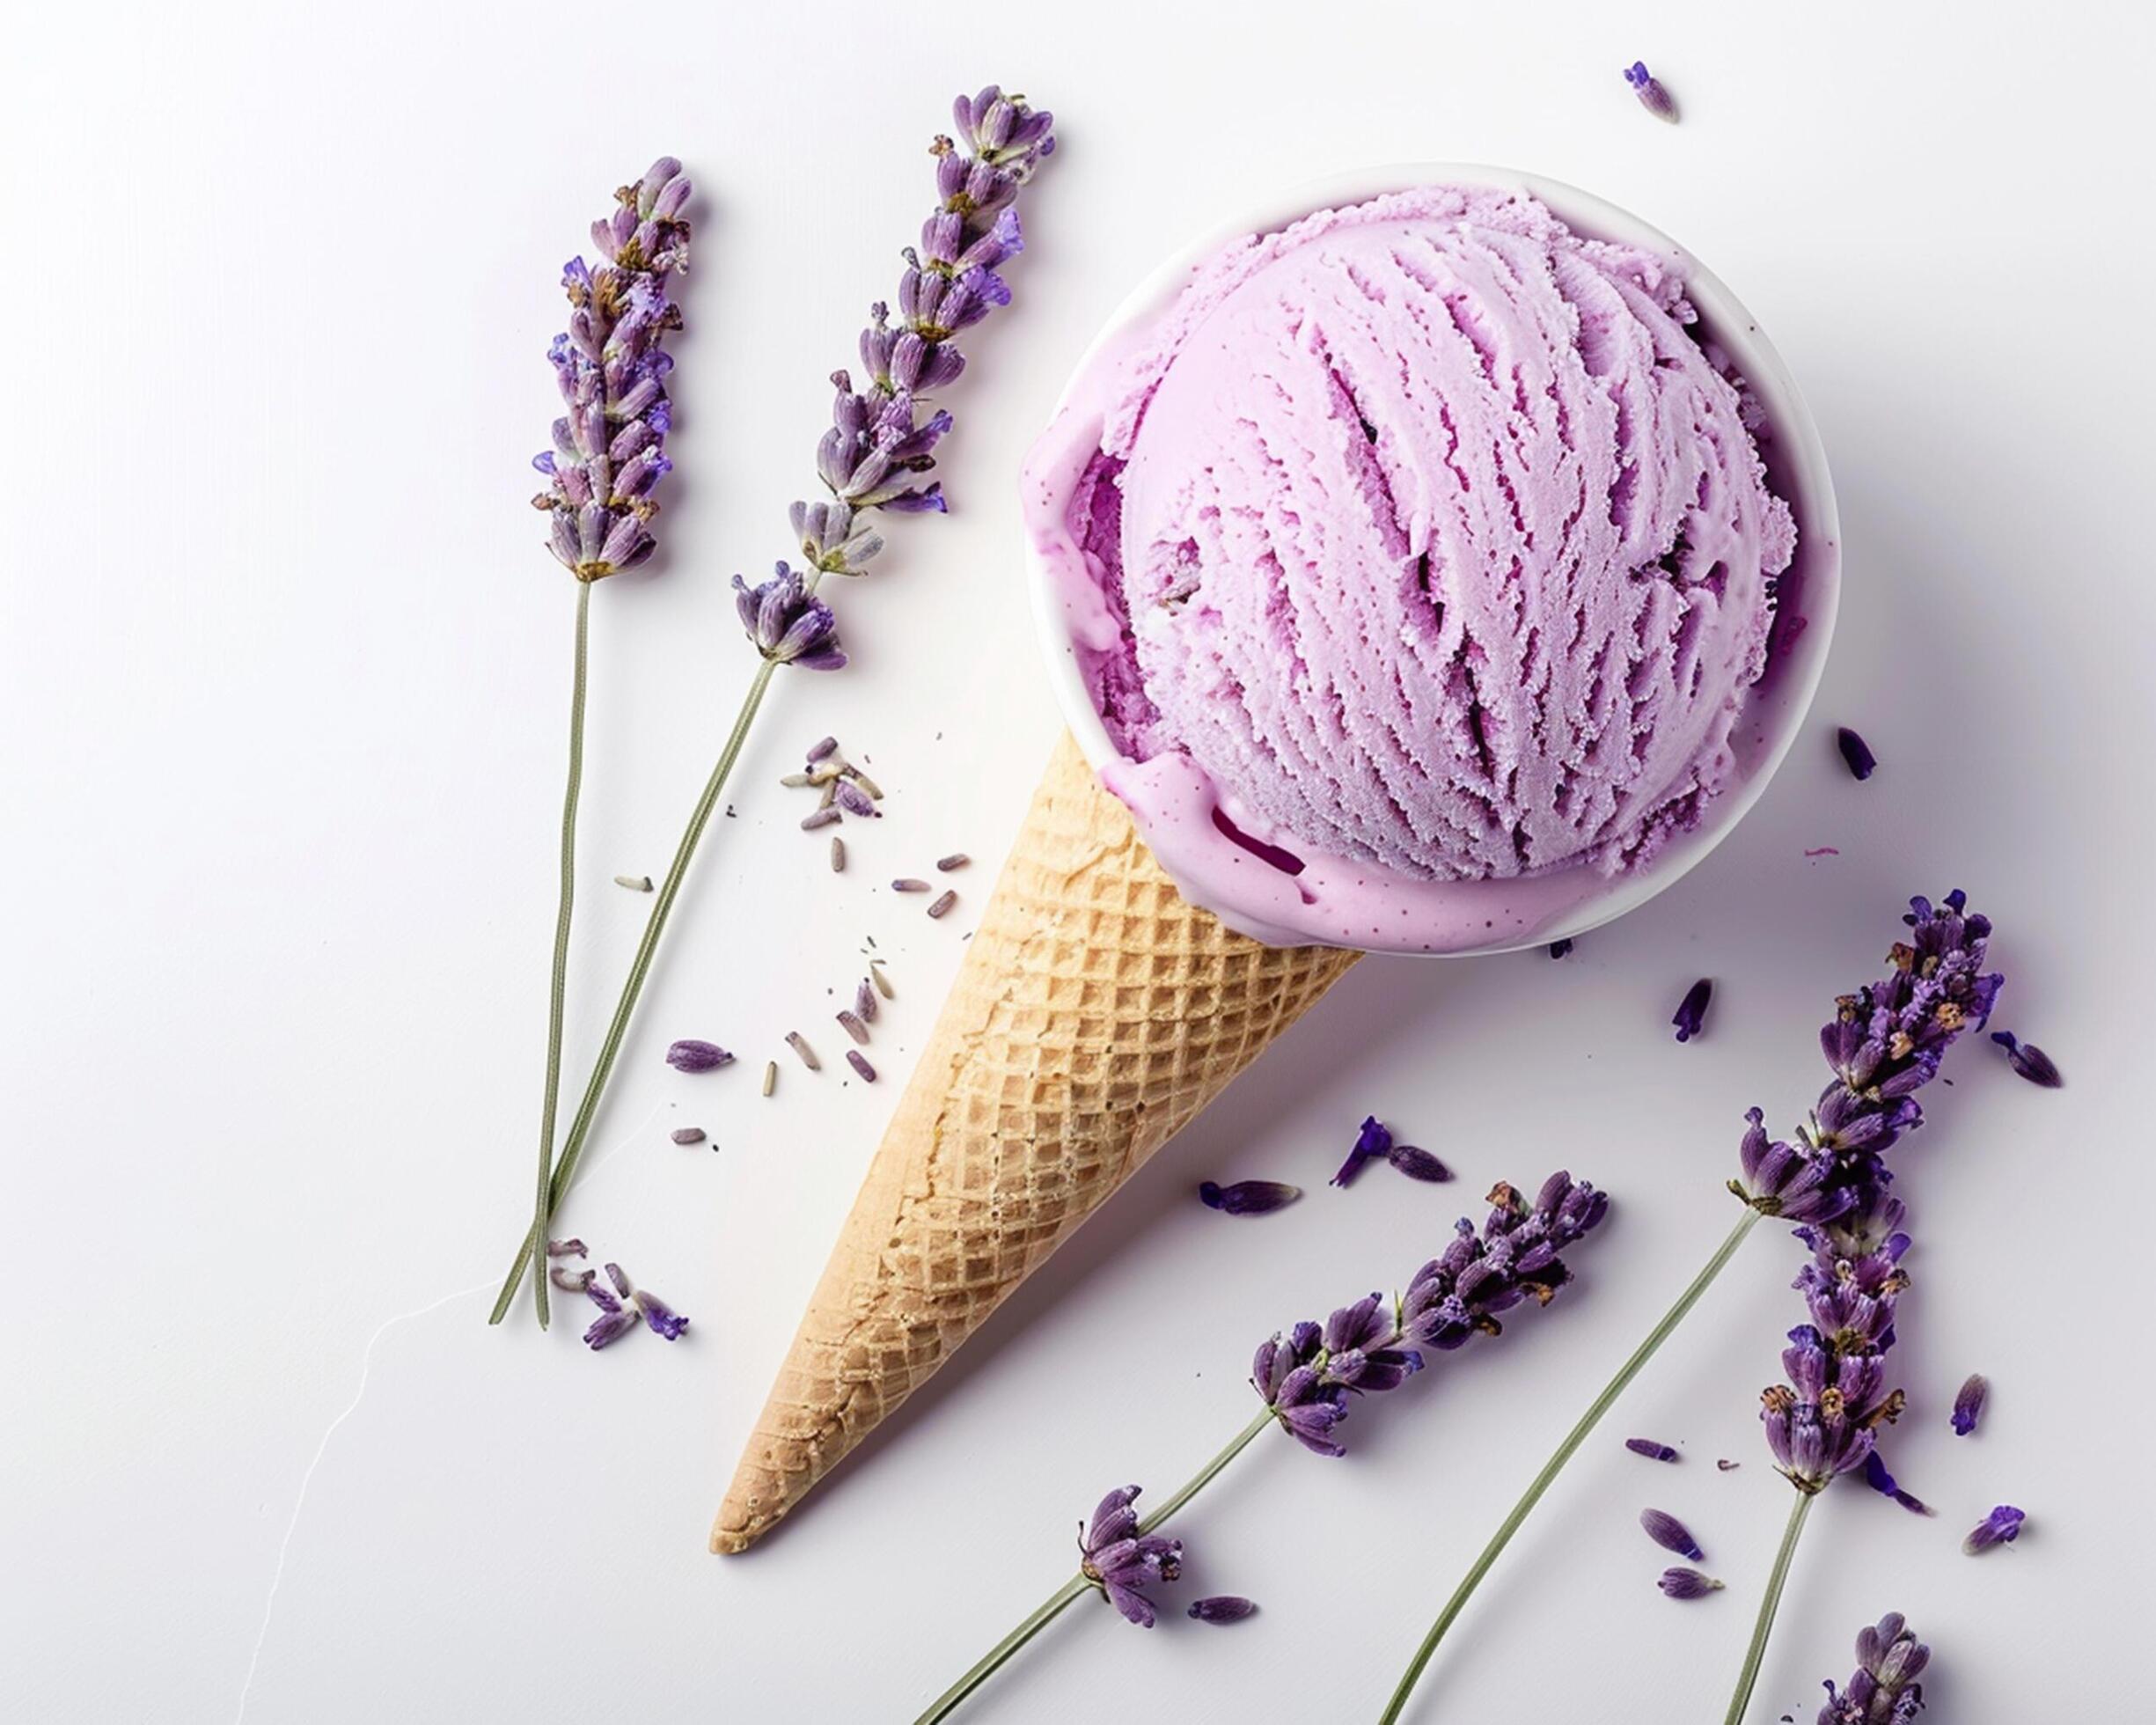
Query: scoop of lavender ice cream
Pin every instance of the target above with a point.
(1436, 541)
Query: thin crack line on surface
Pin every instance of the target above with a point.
(366, 1370)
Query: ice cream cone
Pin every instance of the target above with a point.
(1095, 1014)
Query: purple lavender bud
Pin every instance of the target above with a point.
(1559, 948)
(1884, 1690)
(1248, 1197)
(859, 1062)
(1691, 1013)
(569, 1281)
(1121, 1562)
(2001, 1527)
(1862, 762)
(1417, 1164)
(1655, 100)
(1373, 1140)
(865, 1003)
(1221, 1608)
(2030, 1060)
(1878, 1479)
(565, 1248)
(1653, 1451)
(694, 1056)
(615, 1320)
(1687, 1584)
(1969, 1404)
(823, 750)
(664, 1320)
(687, 1134)
(851, 798)
(1670, 1534)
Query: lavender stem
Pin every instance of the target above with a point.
(655, 925)
(947, 1703)
(1764, 1628)
(1554, 1466)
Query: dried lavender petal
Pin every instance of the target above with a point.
(1969, 1404)
(852, 1026)
(1650, 1449)
(770, 1076)
(1417, 1164)
(1725, 1465)
(1221, 1608)
(797, 781)
(687, 1134)
(821, 817)
(1878, 1479)
(959, 859)
(2001, 1527)
(1655, 100)
(569, 1281)
(634, 883)
(907, 883)
(663, 1321)
(817, 751)
(1666, 1530)
(1248, 1197)
(1687, 1584)
(865, 1005)
(854, 1059)
(2030, 1060)
(799, 1045)
(869, 786)
(882, 982)
(838, 854)
(1862, 762)
(942, 904)
(852, 798)
(1559, 948)
(1374, 1138)
(565, 1248)
(693, 1056)
(1691, 1013)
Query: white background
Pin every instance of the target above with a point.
(284, 672)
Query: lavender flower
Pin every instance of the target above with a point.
(1374, 1138)
(1969, 1404)
(691, 1055)
(2030, 1060)
(608, 453)
(1119, 1560)
(788, 623)
(1691, 1014)
(1221, 1608)
(1878, 1479)
(1857, 753)
(1652, 1448)
(1824, 1420)
(1884, 1691)
(1666, 1530)
(2001, 1527)
(1680, 1584)
(1247, 1198)
(1655, 100)
(622, 1307)
(1307, 1376)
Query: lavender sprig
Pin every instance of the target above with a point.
(607, 459)
(1884, 1690)
(880, 445)
(1884, 1044)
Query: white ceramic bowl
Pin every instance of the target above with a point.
(1775, 707)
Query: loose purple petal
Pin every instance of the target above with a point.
(1878, 1479)
(1691, 1013)
(687, 1134)
(1373, 1140)
(1670, 1534)
(662, 1319)
(570, 1281)
(1417, 1164)
(1221, 1608)
(693, 1056)
(854, 1059)
(2001, 1527)
(565, 1248)
(1655, 100)
(1248, 1197)
(1862, 762)
(1650, 1449)
(1687, 1584)
(2030, 1060)
(1969, 1404)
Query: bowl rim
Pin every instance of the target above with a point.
(1796, 435)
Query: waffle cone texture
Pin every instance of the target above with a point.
(1095, 1014)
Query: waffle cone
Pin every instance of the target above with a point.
(1095, 1014)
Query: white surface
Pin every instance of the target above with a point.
(284, 666)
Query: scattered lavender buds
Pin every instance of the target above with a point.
(1652, 1451)
(1691, 1014)
(1248, 1197)
(1307, 1376)
(959, 859)
(569, 1281)
(2001, 1527)
(799, 1045)
(1221, 1608)
(694, 1056)
(944, 902)
(634, 883)
(1878, 1479)
(1417, 1164)
(687, 1134)
(838, 854)
(907, 883)
(1374, 1138)
(1120, 1561)
(1559, 948)
(1682, 1583)
(854, 1059)
(852, 1026)
(818, 750)
(1655, 100)
(1884, 1691)
(2030, 1060)
(618, 1316)
(1666, 1530)
(1969, 1404)
(1862, 762)
(565, 1248)
(608, 453)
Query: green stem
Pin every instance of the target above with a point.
(1052, 1607)
(558, 997)
(1764, 1628)
(1573, 1439)
(655, 925)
